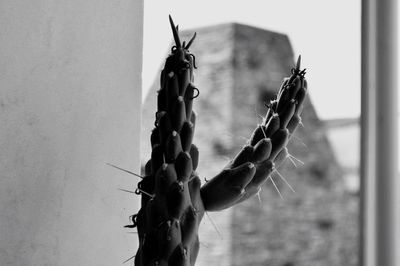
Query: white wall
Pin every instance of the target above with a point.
(70, 94)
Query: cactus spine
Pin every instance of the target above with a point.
(173, 200)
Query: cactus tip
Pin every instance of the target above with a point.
(298, 63)
(175, 33)
(191, 41)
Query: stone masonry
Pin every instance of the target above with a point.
(239, 68)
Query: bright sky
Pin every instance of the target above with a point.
(326, 34)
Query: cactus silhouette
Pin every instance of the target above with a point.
(173, 200)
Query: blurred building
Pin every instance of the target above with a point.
(239, 68)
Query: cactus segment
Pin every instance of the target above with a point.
(297, 83)
(156, 212)
(194, 154)
(147, 168)
(172, 89)
(243, 156)
(262, 150)
(283, 85)
(154, 137)
(165, 177)
(189, 227)
(186, 135)
(293, 123)
(189, 93)
(165, 127)
(184, 80)
(227, 187)
(264, 170)
(183, 165)
(279, 140)
(179, 257)
(177, 199)
(157, 158)
(194, 251)
(271, 111)
(272, 126)
(287, 113)
(162, 100)
(148, 249)
(285, 96)
(179, 114)
(193, 119)
(258, 134)
(195, 196)
(173, 147)
(300, 97)
(169, 236)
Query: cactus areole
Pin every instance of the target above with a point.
(173, 201)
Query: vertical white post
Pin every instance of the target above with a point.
(368, 133)
(387, 183)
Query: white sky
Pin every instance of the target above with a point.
(326, 34)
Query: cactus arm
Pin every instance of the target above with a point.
(266, 149)
(171, 207)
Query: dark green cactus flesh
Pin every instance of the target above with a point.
(173, 200)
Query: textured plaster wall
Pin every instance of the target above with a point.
(70, 94)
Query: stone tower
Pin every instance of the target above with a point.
(239, 68)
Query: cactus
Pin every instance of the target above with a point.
(173, 200)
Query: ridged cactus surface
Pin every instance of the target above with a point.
(173, 200)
